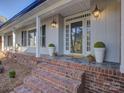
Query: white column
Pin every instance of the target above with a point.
(14, 40)
(6, 41)
(3, 41)
(122, 37)
(37, 36)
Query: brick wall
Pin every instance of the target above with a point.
(24, 59)
(97, 80)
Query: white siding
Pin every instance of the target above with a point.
(53, 35)
(107, 29)
(122, 37)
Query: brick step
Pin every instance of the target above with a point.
(12, 92)
(25, 89)
(57, 80)
(64, 71)
(42, 85)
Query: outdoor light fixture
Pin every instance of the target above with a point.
(96, 12)
(54, 24)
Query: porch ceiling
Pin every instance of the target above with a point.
(83, 5)
(66, 10)
(69, 8)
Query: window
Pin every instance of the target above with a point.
(88, 36)
(24, 38)
(31, 37)
(67, 37)
(43, 36)
(10, 42)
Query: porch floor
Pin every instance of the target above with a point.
(83, 61)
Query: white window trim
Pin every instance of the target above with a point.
(84, 44)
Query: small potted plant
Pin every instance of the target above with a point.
(99, 49)
(12, 74)
(51, 49)
(17, 47)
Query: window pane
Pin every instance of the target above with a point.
(67, 37)
(31, 37)
(88, 35)
(43, 30)
(76, 37)
(10, 40)
(43, 36)
(24, 38)
(43, 42)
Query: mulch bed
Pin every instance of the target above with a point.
(7, 84)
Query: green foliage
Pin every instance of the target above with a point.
(99, 45)
(12, 74)
(51, 45)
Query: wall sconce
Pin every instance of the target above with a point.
(96, 12)
(54, 24)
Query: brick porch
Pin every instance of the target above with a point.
(50, 75)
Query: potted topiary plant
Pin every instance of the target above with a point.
(99, 49)
(12, 74)
(18, 47)
(51, 49)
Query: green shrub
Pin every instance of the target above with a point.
(99, 45)
(51, 45)
(12, 74)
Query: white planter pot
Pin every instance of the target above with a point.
(51, 51)
(99, 54)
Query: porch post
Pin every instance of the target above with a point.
(14, 39)
(37, 36)
(3, 41)
(122, 37)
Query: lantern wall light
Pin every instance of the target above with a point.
(96, 12)
(54, 23)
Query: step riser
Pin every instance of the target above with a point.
(54, 83)
(73, 74)
(31, 85)
(21, 89)
(43, 86)
(57, 83)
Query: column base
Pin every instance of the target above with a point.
(122, 68)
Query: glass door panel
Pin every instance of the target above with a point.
(76, 37)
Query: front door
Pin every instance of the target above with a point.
(77, 35)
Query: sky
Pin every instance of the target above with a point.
(8, 8)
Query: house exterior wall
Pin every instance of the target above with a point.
(122, 37)
(53, 35)
(107, 28)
